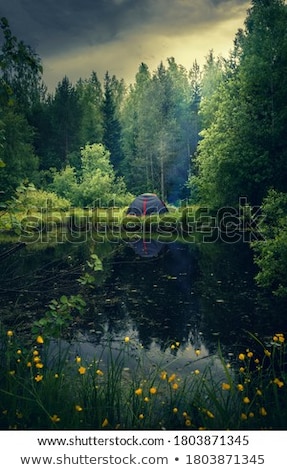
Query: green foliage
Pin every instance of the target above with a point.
(271, 251)
(41, 391)
(59, 316)
(28, 197)
(20, 72)
(243, 146)
(17, 152)
(97, 184)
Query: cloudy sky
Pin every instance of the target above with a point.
(75, 37)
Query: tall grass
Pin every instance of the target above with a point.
(41, 392)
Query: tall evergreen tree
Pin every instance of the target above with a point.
(243, 148)
(112, 101)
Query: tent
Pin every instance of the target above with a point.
(147, 248)
(146, 204)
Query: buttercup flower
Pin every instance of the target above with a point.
(225, 386)
(278, 382)
(172, 378)
(10, 333)
(153, 390)
(39, 340)
(246, 400)
(241, 357)
(262, 411)
(82, 370)
(55, 418)
(163, 375)
(138, 391)
(78, 408)
(38, 378)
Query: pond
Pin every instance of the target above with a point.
(173, 298)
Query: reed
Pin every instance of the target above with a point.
(38, 391)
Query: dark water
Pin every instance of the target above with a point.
(197, 295)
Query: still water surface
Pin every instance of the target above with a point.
(192, 295)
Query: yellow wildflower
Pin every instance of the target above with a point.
(38, 378)
(250, 354)
(278, 382)
(243, 416)
(39, 365)
(187, 422)
(225, 386)
(241, 357)
(78, 408)
(29, 364)
(56, 376)
(82, 370)
(35, 353)
(251, 415)
(258, 392)
(196, 372)
(36, 359)
(141, 416)
(10, 333)
(99, 372)
(39, 340)
(127, 339)
(279, 337)
(267, 353)
(78, 359)
(175, 410)
(12, 372)
(146, 399)
(197, 352)
(153, 390)
(163, 375)
(175, 386)
(138, 391)
(172, 378)
(209, 414)
(241, 369)
(262, 411)
(240, 387)
(55, 418)
(246, 400)
(19, 351)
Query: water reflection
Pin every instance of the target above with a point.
(196, 295)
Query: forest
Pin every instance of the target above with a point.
(211, 142)
(211, 135)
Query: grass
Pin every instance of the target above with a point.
(41, 392)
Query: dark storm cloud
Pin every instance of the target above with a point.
(51, 26)
(74, 37)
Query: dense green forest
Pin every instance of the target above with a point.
(234, 107)
(210, 134)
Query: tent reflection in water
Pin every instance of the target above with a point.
(146, 204)
(147, 248)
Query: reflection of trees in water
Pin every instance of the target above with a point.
(154, 293)
(189, 293)
(230, 302)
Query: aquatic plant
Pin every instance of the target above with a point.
(41, 392)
